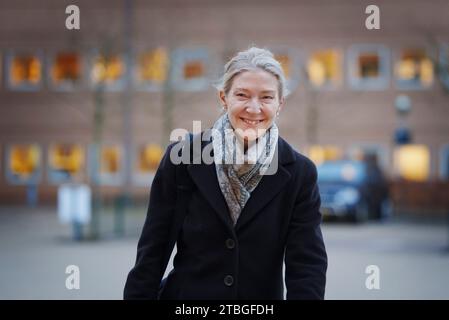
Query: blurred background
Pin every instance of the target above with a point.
(86, 114)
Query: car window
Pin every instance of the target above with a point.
(345, 172)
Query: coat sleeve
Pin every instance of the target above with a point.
(144, 279)
(305, 253)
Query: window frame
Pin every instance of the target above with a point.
(66, 86)
(148, 85)
(295, 57)
(380, 83)
(27, 86)
(327, 87)
(140, 178)
(57, 181)
(36, 177)
(94, 166)
(415, 85)
(118, 85)
(179, 57)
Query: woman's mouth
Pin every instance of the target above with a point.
(251, 122)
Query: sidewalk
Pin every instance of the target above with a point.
(36, 250)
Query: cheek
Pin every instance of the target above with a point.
(236, 108)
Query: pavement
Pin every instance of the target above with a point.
(411, 257)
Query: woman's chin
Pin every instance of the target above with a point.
(250, 134)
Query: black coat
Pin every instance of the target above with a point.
(216, 260)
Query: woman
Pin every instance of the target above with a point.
(243, 218)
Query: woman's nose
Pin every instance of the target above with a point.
(253, 106)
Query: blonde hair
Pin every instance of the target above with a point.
(253, 59)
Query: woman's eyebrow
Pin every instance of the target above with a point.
(263, 91)
(240, 89)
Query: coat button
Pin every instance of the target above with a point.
(229, 280)
(230, 243)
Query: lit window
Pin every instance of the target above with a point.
(289, 60)
(190, 69)
(193, 69)
(152, 67)
(108, 70)
(66, 162)
(318, 154)
(23, 163)
(414, 69)
(110, 158)
(106, 164)
(285, 62)
(412, 162)
(65, 69)
(25, 71)
(324, 68)
(147, 162)
(149, 158)
(368, 67)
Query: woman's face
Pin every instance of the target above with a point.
(252, 103)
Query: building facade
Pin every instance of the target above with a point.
(97, 105)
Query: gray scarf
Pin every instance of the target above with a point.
(240, 172)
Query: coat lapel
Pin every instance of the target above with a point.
(268, 187)
(205, 178)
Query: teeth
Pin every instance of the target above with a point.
(251, 122)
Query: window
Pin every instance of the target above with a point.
(412, 162)
(286, 64)
(369, 67)
(24, 71)
(151, 70)
(320, 153)
(65, 70)
(65, 162)
(146, 163)
(444, 65)
(444, 162)
(190, 69)
(108, 70)
(106, 163)
(23, 164)
(324, 69)
(289, 60)
(414, 69)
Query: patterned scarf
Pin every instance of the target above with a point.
(240, 172)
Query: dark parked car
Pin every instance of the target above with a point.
(353, 189)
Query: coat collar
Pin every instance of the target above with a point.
(205, 177)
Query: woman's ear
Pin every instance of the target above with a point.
(222, 97)
(281, 104)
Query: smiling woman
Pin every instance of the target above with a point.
(252, 93)
(235, 222)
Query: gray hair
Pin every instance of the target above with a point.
(253, 59)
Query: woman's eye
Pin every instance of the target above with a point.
(268, 97)
(241, 95)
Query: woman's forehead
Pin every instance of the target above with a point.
(255, 79)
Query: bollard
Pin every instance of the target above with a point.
(120, 204)
(74, 207)
(32, 194)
